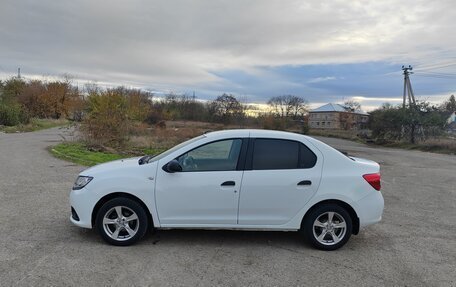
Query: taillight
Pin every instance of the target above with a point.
(373, 179)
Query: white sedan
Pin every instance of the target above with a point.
(233, 179)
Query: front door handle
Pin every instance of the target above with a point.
(305, 182)
(228, 183)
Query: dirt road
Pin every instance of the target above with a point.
(414, 245)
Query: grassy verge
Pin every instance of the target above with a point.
(35, 125)
(78, 153)
(340, 134)
(435, 145)
(428, 146)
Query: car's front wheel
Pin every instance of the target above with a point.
(327, 227)
(121, 221)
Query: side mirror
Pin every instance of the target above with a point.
(172, 166)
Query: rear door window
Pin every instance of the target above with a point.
(307, 158)
(281, 154)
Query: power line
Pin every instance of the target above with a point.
(436, 73)
(437, 60)
(437, 56)
(435, 76)
(435, 67)
(433, 64)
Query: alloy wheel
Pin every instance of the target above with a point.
(120, 223)
(329, 228)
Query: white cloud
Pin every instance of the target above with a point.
(375, 99)
(172, 44)
(371, 103)
(320, 79)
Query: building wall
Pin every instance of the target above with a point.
(324, 120)
(337, 120)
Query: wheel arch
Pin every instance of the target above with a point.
(353, 215)
(113, 195)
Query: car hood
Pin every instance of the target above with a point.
(112, 166)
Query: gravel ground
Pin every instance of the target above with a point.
(414, 245)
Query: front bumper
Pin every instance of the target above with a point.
(82, 201)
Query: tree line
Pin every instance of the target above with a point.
(413, 123)
(106, 115)
(21, 100)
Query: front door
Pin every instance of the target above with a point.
(206, 191)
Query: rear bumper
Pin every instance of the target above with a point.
(369, 208)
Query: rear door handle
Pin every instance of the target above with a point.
(305, 182)
(228, 183)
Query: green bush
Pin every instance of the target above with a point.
(11, 114)
(271, 122)
(106, 122)
(305, 129)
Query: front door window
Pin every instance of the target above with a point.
(216, 156)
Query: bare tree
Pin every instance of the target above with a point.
(352, 105)
(450, 104)
(91, 88)
(226, 108)
(288, 106)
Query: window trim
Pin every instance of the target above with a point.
(250, 150)
(240, 160)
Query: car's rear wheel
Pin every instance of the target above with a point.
(121, 221)
(327, 227)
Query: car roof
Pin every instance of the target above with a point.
(253, 133)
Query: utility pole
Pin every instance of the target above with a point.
(193, 107)
(18, 73)
(408, 91)
(410, 96)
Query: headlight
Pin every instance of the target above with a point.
(81, 181)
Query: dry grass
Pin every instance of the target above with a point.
(165, 134)
(143, 139)
(342, 134)
(175, 132)
(146, 139)
(445, 145)
(195, 125)
(35, 125)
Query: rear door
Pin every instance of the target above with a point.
(280, 178)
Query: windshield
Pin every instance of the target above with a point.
(171, 150)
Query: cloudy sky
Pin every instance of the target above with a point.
(324, 51)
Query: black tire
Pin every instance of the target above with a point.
(128, 207)
(322, 212)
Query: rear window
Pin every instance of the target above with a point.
(281, 154)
